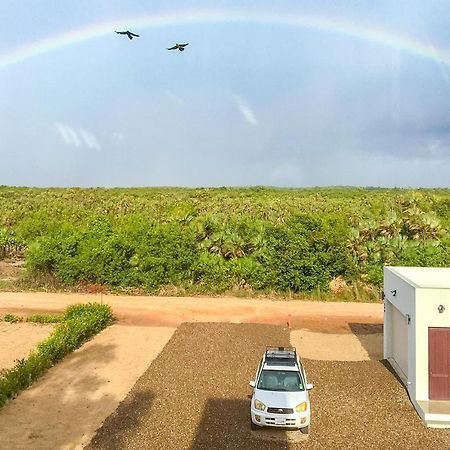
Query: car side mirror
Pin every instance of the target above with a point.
(309, 386)
(252, 383)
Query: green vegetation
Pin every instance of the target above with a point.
(245, 240)
(78, 324)
(11, 318)
(35, 318)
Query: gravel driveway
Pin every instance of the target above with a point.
(195, 396)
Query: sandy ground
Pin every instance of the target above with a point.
(338, 347)
(172, 311)
(64, 408)
(10, 270)
(17, 340)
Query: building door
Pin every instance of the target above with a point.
(439, 363)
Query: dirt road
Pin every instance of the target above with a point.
(172, 311)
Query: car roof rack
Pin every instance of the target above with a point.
(281, 356)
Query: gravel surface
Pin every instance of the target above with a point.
(195, 396)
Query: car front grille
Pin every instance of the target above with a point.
(280, 410)
(279, 422)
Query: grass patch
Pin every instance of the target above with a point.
(44, 318)
(12, 318)
(77, 325)
(35, 318)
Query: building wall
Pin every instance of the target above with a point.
(400, 341)
(404, 296)
(399, 336)
(427, 303)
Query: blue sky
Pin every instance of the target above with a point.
(248, 103)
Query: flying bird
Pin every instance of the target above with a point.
(179, 47)
(128, 33)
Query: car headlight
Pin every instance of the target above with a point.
(302, 407)
(260, 405)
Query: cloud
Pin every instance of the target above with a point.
(118, 136)
(77, 138)
(68, 135)
(89, 139)
(245, 110)
(175, 98)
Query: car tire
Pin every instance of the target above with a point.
(306, 430)
(253, 426)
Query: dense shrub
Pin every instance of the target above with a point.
(11, 246)
(213, 240)
(148, 257)
(305, 253)
(213, 273)
(409, 233)
(79, 323)
(165, 254)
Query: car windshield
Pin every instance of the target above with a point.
(280, 380)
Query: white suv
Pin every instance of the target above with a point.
(280, 391)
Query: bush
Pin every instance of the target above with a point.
(166, 254)
(79, 323)
(213, 240)
(212, 273)
(150, 256)
(304, 254)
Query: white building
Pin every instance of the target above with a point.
(417, 337)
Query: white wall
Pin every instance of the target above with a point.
(400, 341)
(399, 337)
(427, 303)
(404, 297)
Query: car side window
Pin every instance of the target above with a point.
(259, 370)
(302, 371)
(304, 376)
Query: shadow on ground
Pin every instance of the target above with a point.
(128, 416)
(225, 425)
(386, 364)
(370, 336)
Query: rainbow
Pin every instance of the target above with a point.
(326, 24)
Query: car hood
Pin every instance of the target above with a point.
(277, 399)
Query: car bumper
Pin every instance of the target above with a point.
(264, 419)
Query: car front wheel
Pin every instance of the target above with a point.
(306, 430)
(253, 426)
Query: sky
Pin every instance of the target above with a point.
(287, 93)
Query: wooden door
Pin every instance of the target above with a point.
(439, 363)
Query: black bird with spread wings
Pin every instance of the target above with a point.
(128, 33)
(179, 47)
